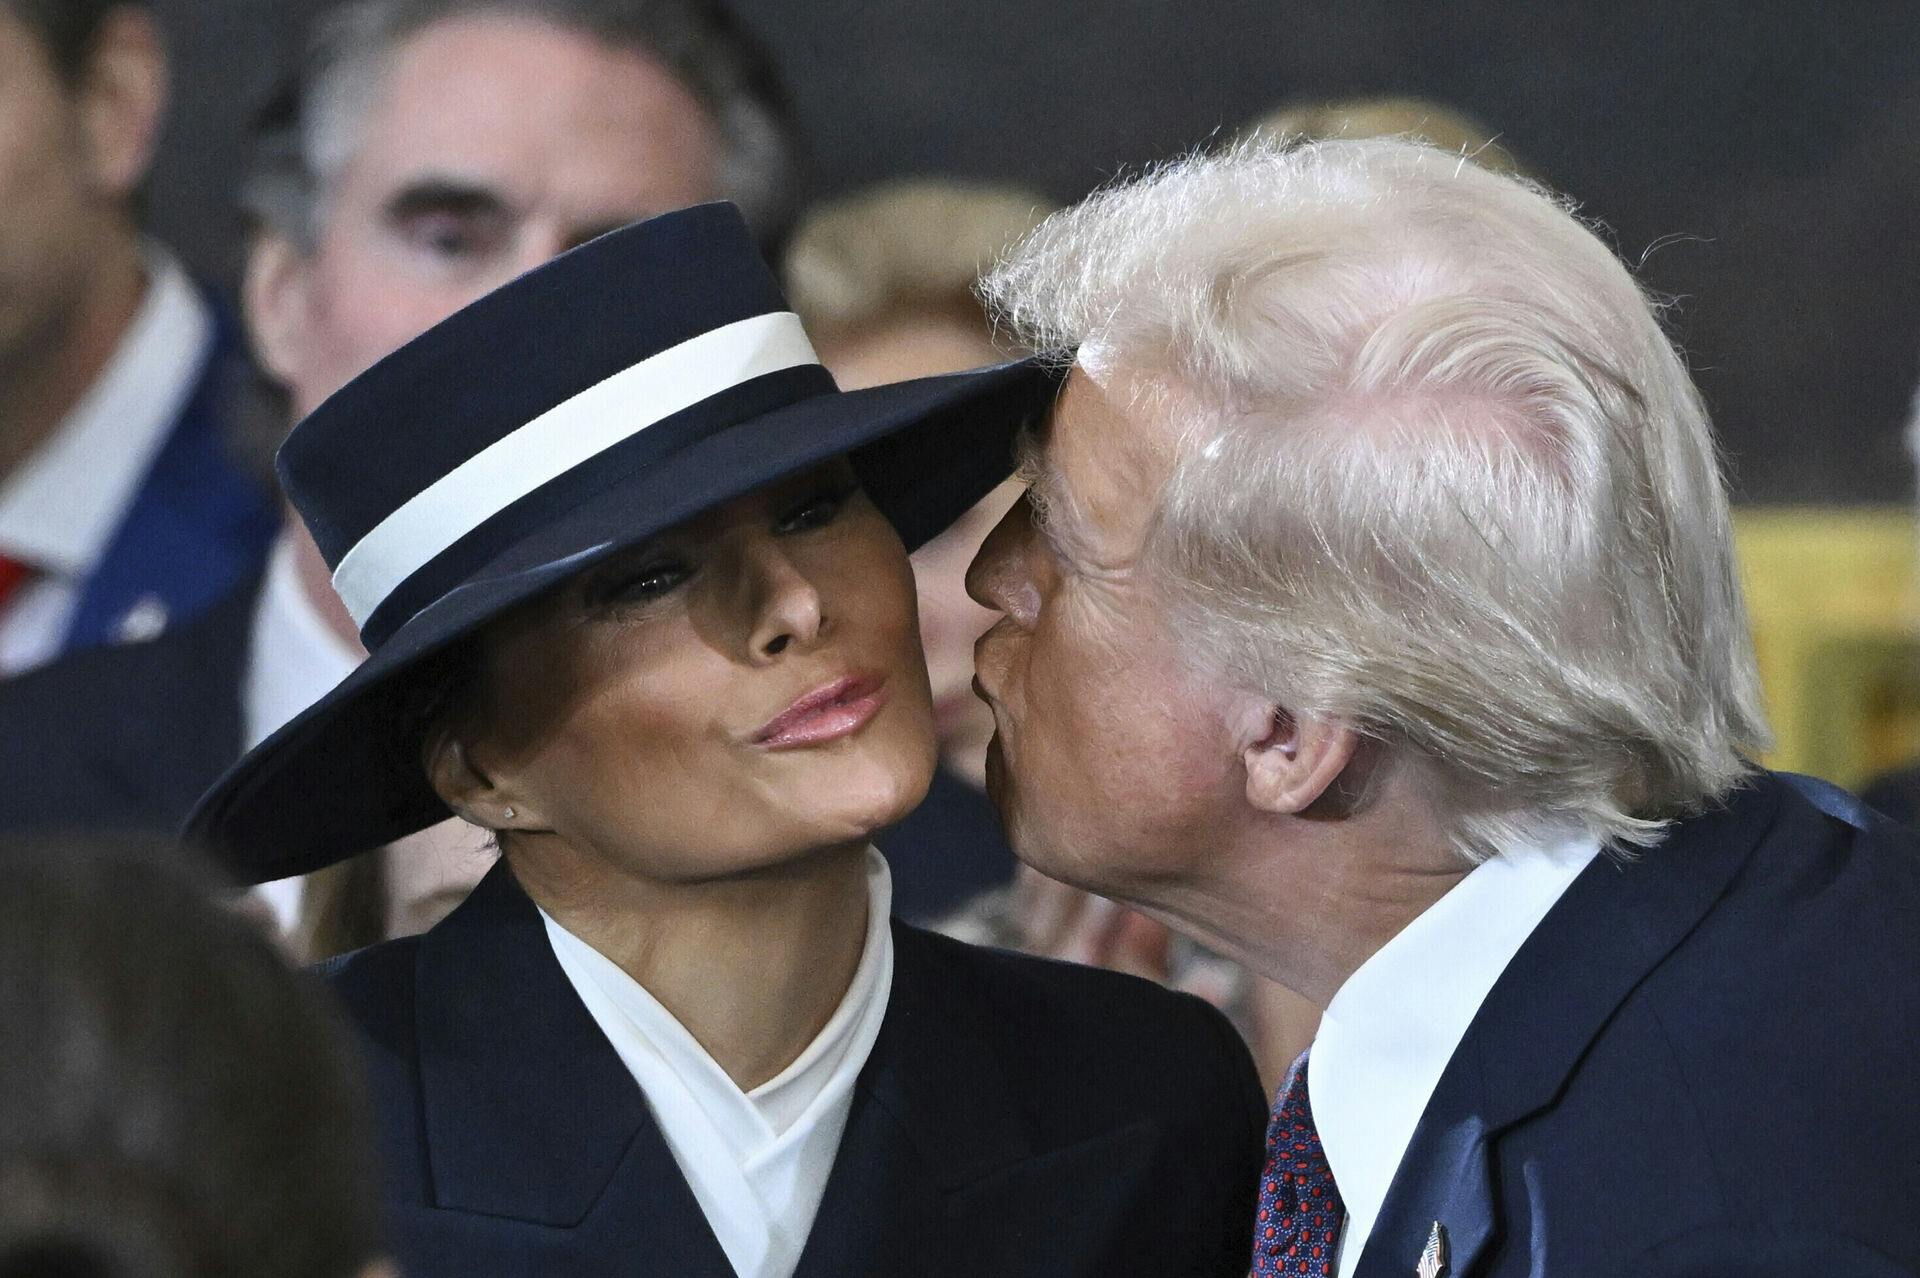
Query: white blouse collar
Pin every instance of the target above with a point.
(756, 1161)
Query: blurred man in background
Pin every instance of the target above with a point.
(122, 507)
(430, 151)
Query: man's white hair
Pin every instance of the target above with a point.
(1439, 474)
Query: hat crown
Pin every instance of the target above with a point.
(606, 359)
(503, 360)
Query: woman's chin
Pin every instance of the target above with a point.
(871, 802)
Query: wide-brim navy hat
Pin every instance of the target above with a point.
(620, 389)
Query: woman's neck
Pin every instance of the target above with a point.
(753, 967)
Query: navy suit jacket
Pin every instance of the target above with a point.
(127, 737)
(1016, 1117)
(198, 523)
(1702, 1062)
(1897, 794)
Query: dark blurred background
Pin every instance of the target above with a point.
(1762, 158)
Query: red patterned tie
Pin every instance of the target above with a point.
(13, 575)
(1299, 1214)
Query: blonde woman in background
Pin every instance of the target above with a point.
(1391, 116)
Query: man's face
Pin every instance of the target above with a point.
(52, 212)
(492, 144)
(1111, 765)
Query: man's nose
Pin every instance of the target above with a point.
(999, 578)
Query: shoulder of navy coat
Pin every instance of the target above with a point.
(199, 522)
(1016, 1117)
(125, 738)
(1702, 1062)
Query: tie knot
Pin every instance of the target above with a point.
(1299, 1211)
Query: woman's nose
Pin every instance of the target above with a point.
(785, 606)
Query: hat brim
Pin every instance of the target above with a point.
(345, 775)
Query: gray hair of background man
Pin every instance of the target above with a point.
(307, 136)
(1438, 473)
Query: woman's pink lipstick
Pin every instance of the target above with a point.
(837, 710)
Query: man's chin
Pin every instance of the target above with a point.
(1003, 790)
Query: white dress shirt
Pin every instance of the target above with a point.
(61, 507)
(757, 1161)
(1389, 1032)
(293, 659)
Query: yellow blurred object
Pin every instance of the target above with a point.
(1836, 625)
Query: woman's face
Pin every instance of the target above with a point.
(921, 345)
(742, 689)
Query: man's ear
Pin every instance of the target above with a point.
(274, 297)
(122, 96)
(1292, 762)
(465, 787)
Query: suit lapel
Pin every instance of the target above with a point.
(943, 1173)
(197, 523)
(1613, 926)
(527, 1110)
(932, 1111)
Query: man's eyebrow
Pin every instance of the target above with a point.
(1030, 457)
(444, 195)
(1051, 505)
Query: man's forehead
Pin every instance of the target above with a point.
(1102, 460)
(501, 99)
(1104, 436)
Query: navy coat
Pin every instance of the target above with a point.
(1016, 1117)
(1703, 1062)
(127, 737)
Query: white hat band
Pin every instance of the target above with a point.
(569, 433)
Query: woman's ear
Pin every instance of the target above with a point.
(467, 788)
(1296, 761)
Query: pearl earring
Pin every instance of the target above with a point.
(508, 814)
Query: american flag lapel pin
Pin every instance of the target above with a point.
(1433, 1257)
